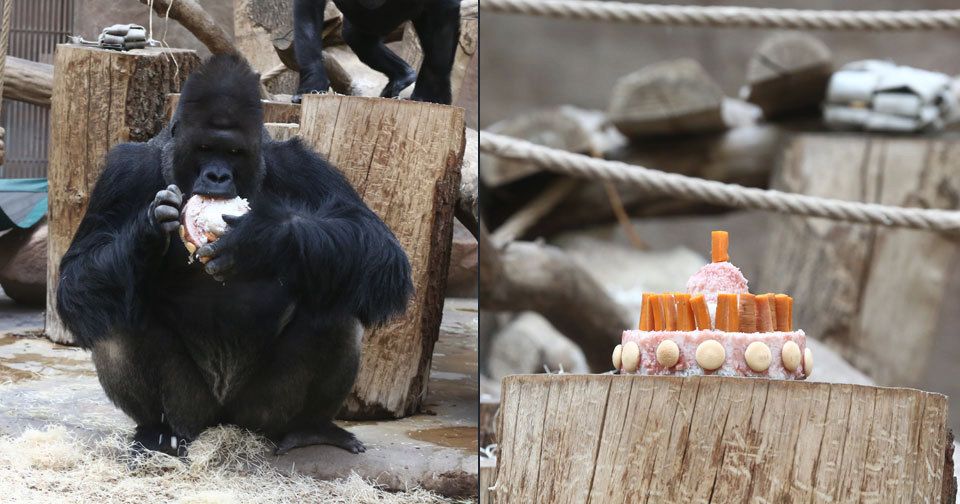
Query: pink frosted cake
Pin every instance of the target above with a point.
(717, 327)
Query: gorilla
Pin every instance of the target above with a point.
(365, 24)
(266, 334)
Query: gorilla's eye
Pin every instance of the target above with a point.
(204, 148)
(234, 151)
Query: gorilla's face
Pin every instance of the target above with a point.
(217, 137)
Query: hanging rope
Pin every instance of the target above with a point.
(4, 46)
(729, 17)
(717, 193)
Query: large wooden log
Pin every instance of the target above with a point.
(404, 159)
(871, 292)
(609, 438)
(101, 98)
(27, 81)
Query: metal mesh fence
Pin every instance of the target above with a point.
(36, 28)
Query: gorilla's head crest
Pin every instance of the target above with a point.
(217, 131)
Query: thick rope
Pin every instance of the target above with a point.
(729, 17)
(4, 43)
(717, 193)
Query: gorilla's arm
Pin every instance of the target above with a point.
(312, 230)
(102, 274)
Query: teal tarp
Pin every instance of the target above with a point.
(23, 202)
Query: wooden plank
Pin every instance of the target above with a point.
(101, 98)
(404, 159)
(855, 277)
(616, 438)
(273, 111)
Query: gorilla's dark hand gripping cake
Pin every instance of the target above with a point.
(716, 327)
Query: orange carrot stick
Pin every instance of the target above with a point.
(764, 322)
(700, 313)
(748, 313)
(784, 312)
(772, 306)
(685, 320)
(728, 313)
(719, 242)
(646, 313)
(669, 312)
(656, 305)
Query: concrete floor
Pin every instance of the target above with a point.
(43, 383)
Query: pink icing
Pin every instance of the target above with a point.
(734, 343)
(717, 277)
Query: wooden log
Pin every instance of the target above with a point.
(404, 159)
(199, 22)
(282, 131)
(488, 471)
(789, 73)
(101, 98)
(469, 41)
(28, 81)
(665, 98)
(873, 293)
(527, 276)
(273, 111)
(610, 438)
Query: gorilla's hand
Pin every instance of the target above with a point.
(219, 257)
(164, 212)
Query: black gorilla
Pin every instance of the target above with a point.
(266, 334)
(365, 24)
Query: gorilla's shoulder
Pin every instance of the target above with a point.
(295, 167)
(131, 165)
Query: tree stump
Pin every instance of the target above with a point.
(667, 98)
(872, 293)
(404, 159)
(101, 98)
(789, 73)
(610, 438)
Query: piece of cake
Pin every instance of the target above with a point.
(202, 220)
(716, 327)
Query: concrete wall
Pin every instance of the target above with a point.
(531, 62)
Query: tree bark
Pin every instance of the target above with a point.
(413, 185)
(608, 438)
(101, 98)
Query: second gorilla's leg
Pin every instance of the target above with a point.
(373, 53)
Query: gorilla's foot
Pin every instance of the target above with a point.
(159, 438)
(328, 434)
(394, 86)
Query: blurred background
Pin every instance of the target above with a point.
(736, 105)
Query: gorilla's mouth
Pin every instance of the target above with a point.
(202, 219)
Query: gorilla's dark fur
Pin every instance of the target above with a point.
(266, 335)
(365, 24)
